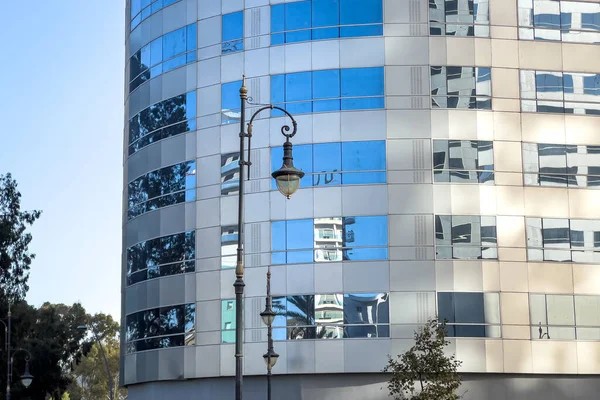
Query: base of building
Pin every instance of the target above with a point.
(369, 387)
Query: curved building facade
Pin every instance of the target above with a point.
(452, 159)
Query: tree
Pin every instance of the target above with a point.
(15, 258)
(426, 366)
(51, 336)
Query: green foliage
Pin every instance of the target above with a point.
(425, 372)
(15, 258)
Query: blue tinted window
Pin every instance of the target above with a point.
(366, 231)
(591, 84)
(278, 238)
(230, 101)
(142, 9)
(354, 12)
(174, 43)
(326, 84)
(321, 19)
(233, 32)
(192, 38)
(323, 162)
(362, 82)
(546, 21)
(327, 160)
(299, 234)
(298, 86)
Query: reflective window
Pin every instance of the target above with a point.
(463, 161)
(228, 321)
(328, 90)
(164, 256)
(329, 239)
(329, 164)
(232, 34)
(563, 240)
(168, 52)
(470, 314)
(561, 165)
(160, 328)
(461, 87)
(465, 237)
(560, 92)
(142, 9)
(459, 17)
(230, 173)
(331, 316)
(567, 21)
(230, 102)
(162, 120)
(161, 188)
(229, 239)
(325, 19)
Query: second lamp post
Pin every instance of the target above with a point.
(288, 181)
(268, 316)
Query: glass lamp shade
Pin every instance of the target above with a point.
(273, 359)
(26, 378)
(268, 316)
(288, 180)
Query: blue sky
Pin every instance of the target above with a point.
(61, 107)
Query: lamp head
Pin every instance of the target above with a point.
(288, 177)
(26, 378)
(268, 316)
(272, 360)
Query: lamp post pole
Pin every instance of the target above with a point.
(288, 181)
(268, 316)
(26, 378)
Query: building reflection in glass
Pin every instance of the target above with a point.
(229, 238)
(329, 239)
(230, 173)
(463, 161)
(162, 327)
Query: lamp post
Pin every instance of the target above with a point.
(287, 179)
(268, 316)
(26, 378)
(108, 374)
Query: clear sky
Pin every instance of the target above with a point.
(61, 107)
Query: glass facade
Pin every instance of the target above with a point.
(328, 90)
(325, 19)
(161, 188)
(168, 52)
(162, 120)
(560, 92)
(331, 164)
(465, 237)
(142, 9)
(329, 239)
(564, 317)
(461, 87)
(459, 18)
(164, 256)
(567, 21)
(463, 161)
(470, 314)
(232, 35)
(563, 240)
(429, 189)
(561, 165)
(160, 328)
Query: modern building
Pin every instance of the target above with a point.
(452, 159)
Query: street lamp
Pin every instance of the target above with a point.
(26, 378)
(288, 182)
(268, 316)
(108, 374)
